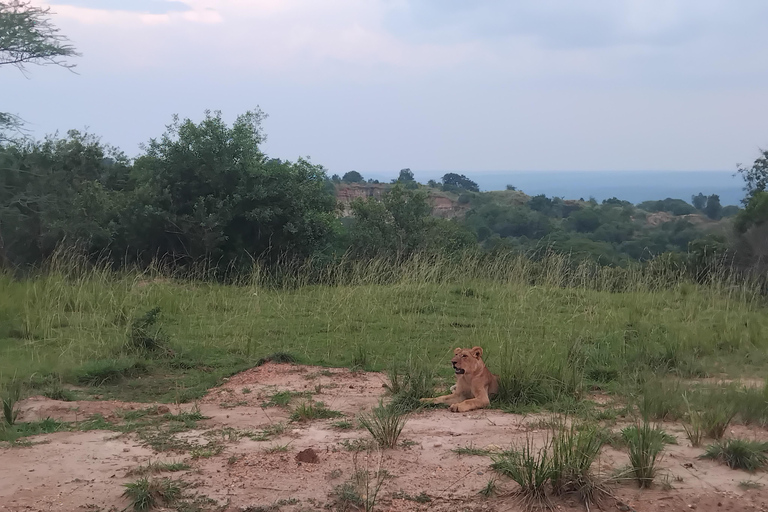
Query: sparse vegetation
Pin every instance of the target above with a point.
(311, 410)
(489, 489)
(146, 493)
(154, 467)
(471, 449)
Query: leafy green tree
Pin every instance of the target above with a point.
(540, 203)
(713, 209)
(755, 177)
(405, 176)
(352, 177)
(673, 206)
(699, 201)
(27, 36)
(208, 192)
(615, 201)
(401, 225)
(58, 191)
(335, 178)
(584, 221)
(453, 181)
(755, 213)
(406, 179)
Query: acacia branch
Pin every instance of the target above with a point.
(27, 36)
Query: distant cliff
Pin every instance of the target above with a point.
(443, 205)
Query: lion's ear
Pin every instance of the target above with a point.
(477, 351)
(457, 351)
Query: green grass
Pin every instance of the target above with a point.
(739, 454)
(551, 328)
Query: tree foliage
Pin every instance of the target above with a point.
(209, 192)
(401, 224)
(699, 201)
(201, 191)
(755, 177)
(352, 177)
(713, 208)
(453, 181)
(27, 36)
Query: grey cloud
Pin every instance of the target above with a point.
(582, 24)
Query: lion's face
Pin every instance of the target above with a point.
(467, 360)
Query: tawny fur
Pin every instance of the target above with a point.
(475, 384)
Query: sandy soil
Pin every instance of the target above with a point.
(84, 471)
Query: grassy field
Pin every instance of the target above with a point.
(552, 330)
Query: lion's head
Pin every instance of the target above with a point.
(467, 360)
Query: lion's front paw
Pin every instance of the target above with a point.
(462, 407)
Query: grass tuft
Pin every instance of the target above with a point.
(277, 357)
(530, 467)
(471, 449)
(310, 410)
(10, 398)
(645, 446)
(145, 493)
(574, 450)
(739, 454)
(385, 424)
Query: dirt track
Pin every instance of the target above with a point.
(85, 470)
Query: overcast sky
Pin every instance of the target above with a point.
(378, 85)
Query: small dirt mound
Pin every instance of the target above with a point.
(309, 455)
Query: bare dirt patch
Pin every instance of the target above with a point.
(245, 454)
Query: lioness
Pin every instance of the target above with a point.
(474, 382)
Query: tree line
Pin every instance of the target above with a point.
(207, 192)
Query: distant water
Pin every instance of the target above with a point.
(633, 186)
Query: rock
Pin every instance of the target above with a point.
(163, 409)
(307, 455)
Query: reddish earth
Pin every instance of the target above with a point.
(81, 471)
